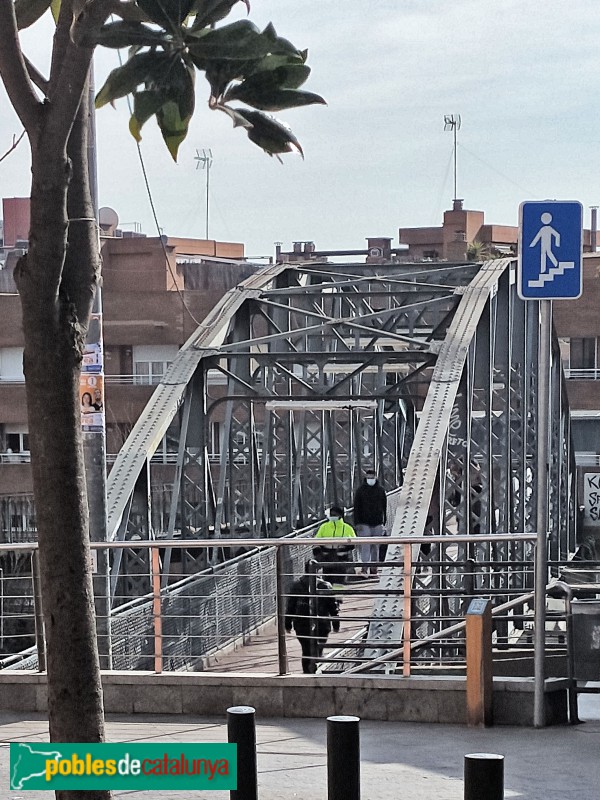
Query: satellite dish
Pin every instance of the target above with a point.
(108, 217)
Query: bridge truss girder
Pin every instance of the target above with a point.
(473, 466)
(302, 377)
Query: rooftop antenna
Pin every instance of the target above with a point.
(452, 123)
(205, 160)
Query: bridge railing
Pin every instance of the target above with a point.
(199, 622)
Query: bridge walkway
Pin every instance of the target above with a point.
(258, 654)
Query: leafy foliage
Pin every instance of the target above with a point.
(174, 38)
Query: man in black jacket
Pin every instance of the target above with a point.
(312, 625)
(370, 516)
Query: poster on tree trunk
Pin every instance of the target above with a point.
(93, 361)
(91, 398)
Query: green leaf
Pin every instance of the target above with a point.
(29, 11)
(174, 116)
(272, 100)
(145, 105)
(279, 45)
(270, 134)
(129, 34)
(240, 41)
(170, 14)
(238, 120)
(141, 68)
(210, 11)
(268, 90)
(171, 100)
(291, 72)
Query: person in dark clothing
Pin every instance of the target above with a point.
(312, 632)
(370, 516)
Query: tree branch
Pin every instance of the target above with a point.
(36, 76)
(70, 65)
(15, 144)
(82, 266)
(14, 71)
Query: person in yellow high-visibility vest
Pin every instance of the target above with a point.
(336, 556)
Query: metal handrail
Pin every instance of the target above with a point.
(275, 607)
(142, 544)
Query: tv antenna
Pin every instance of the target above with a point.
(452, 123)
(205, 160)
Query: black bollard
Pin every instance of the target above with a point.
(241, 730)
(484, 776)
(343, 758)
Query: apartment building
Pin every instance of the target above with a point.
(156, 290)
(465, 233)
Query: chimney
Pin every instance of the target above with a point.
(379, 249)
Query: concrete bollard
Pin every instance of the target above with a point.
(484, 776)
(343, 758)
(241, 730)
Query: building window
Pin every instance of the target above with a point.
(430, 254)
(16, 445)
(150, 363)
(11, 364)
(149, 373)
(583, 358)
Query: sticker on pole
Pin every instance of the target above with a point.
(550, 250)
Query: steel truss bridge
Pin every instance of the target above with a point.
(308, 373)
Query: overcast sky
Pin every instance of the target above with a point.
(523, 76)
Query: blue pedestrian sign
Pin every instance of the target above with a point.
(550, 250)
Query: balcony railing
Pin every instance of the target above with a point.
(582, 374)
(15, 458)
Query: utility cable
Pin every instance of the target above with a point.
(497, 171)
(155, 215)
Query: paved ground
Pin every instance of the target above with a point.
(400, 761)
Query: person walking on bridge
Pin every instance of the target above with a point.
(370, 517)
(337, 557)
(312, 625)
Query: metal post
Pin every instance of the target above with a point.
(312, 612)
(484, 776)
(407, 585)
(94, 441)
(281, 640)
(241, 730)
(156, 611)
(480, 682)
(343, 758)
(541, 554)
(40, 639)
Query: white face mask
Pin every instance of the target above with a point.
(371, 481)
(333, 519)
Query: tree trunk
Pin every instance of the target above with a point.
(56, 285)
